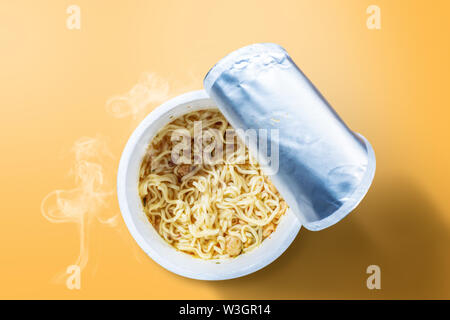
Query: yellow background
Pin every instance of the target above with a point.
(391, 85)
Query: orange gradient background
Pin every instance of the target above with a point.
(391, 85)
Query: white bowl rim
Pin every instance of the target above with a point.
(264, 257)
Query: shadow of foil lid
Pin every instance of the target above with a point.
(320, 167)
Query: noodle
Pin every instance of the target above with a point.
(209, 210)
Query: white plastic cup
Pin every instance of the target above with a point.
(149, 239)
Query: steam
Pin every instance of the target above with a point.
(92, 192)
(150, 89)
(94, 170)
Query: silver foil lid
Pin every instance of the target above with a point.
(324, 168)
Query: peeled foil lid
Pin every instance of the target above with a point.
(320, 167)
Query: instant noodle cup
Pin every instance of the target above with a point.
(321, 168)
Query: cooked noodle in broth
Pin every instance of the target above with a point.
(209, 210)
